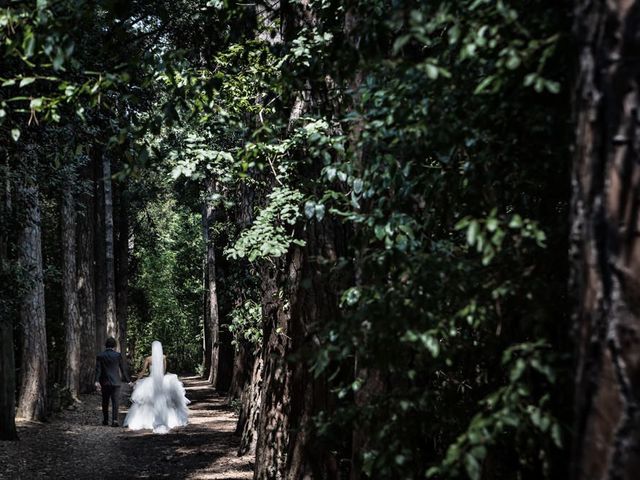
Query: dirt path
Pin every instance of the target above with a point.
(74, 445)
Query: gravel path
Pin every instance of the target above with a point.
(74, 445)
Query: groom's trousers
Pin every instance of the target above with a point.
(110, 392)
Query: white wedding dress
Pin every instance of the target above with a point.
(158, 401)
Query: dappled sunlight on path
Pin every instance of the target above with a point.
(74, 445)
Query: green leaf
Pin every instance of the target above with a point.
(472, 466)
(484, 84)
(310, 209)
(35, 103)
(553, 87)
(26, 81)
(357, 185)
(517, 370)
(432, 71)
(516, 221)
(400, 42)
(58, 60)
(556, 435)
(472, 232)
(15, 134)
(513, 62)
(29, 46)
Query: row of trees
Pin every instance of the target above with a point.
(71, 211)
(368, 200)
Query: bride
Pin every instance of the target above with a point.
(158, 401)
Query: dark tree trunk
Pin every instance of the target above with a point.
(100, 255)
(86, 280)
(225, 358)
(291, 394)
(110, 287)
(71, 315)
(206, 320)
(249, 415)
(212, 299)
(273, 423)
(122, 271)
(241, 376)
(32, 400)
(7, 361)
(605, 242)
(7, 376)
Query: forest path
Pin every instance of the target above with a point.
(74, 445)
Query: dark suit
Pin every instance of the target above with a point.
(109, 366)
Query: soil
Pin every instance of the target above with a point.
(75, 445)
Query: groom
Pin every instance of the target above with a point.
(109, 365)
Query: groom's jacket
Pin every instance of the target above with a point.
(109, 365)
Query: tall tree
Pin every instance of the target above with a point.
(72, 319)
(122, 262)
(110, 287)
(99, 250)
(32, 399)
(606, 246)
(206, 320)
(7, 360)
(86, 276)
(212, 292)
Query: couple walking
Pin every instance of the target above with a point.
(158, 401)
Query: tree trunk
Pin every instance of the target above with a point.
(273, 423)
(206, 320)
(212, 300)
(86, 282)
(71, 315)
(605, 242)
(32, 402)
(7, 361)
(250, 413)
(122, 272)
(7, 376)
(241, 376)
(99, 249)
(291, 394)
(225, 357)
(110, 287)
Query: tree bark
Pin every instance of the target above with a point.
(86, 280)
(7, 361)
(122, 272)
(206, 321)
(605, 242)
(32, 401)
(99, 249)
(250, 413)
(241, 375)
(110, 287)
(73, 327)
(7, 377)
(212, 300)
(291, 394)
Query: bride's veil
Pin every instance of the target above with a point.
(157, 364)
(159, 398)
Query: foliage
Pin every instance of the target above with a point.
(431, 134)
(268, 236)
(246, 323)
(167, 286)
